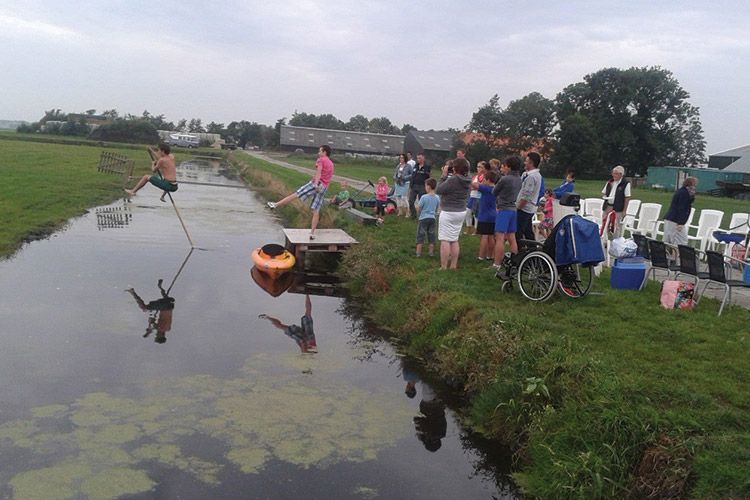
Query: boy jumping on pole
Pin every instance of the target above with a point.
(165, 173)
(316, 187)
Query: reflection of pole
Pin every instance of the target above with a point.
(153, 157)
(180, 270)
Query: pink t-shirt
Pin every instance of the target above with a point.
(326, 169)
(381, 192)
(548, 207)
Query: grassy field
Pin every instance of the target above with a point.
(609, 396)
(372, 169)
(45, 184)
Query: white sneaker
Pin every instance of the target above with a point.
(271, 205)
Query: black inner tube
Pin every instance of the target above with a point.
(273, 249)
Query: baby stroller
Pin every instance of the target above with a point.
(564, 261)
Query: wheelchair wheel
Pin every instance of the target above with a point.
(575, 280)
(506, 287)
(537, 276)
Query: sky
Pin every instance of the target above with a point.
(427, 63)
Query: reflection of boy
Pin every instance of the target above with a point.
(160, 313)
(303, 335)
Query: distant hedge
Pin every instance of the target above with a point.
(126, 131)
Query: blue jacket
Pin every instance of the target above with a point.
(577, 241)
(565, 187)
(679, 209)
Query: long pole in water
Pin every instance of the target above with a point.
(180, 270)
(153, 157)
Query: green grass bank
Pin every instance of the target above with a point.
(46, 181)
(609, 396)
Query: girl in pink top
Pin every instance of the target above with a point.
(381, 197)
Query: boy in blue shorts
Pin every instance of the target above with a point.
(486, 215)
(506, 222)
(427, 208)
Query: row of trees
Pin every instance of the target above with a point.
(635, 117)
(357, 123)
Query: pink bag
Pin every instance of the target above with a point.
(677, 295)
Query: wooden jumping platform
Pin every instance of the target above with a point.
(326, 240)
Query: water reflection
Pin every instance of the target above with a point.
(113, 217)
(307, 283)
(159, 313)
(161, 309)
(431, 424)
(272, 285)
(303, 334)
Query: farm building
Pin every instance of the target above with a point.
(728, 171)
(435, 144)
(310, 139)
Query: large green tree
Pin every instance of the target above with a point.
(640, 117)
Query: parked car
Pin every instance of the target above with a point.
(184, 140)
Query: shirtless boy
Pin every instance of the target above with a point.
(165, 176)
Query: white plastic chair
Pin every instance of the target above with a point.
(592, 205)
(645, 223)
(737, 224)
(631, 212)
(660, 224)
(708, 222)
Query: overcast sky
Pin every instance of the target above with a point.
(428, 63)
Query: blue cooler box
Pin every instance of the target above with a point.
(628, 274)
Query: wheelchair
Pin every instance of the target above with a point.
(534, 270)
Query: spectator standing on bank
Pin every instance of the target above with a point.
(528, 196)
(616, 194)
(402, 182)
(453, 189)
(427, 206)
(486, 213)
(675, 232)
(419, 176)
(506, 222)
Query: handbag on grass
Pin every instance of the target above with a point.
(677, 295)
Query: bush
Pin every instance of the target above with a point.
(138, 131)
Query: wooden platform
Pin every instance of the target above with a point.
(326, 240)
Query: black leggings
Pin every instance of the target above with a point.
(380, 207)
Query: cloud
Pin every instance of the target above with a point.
(16, 27)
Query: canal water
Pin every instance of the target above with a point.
(132, 367)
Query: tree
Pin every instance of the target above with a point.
(407, 128)
(382, 125)
(640, 117)
(133, 131)
(578, 147)
(216, 128)
(110, 114)
(55, 115)
(90, 112)
(357, 123)
(196, 125)
(181, 125)
(488, 120)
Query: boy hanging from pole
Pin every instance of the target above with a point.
(165, 177)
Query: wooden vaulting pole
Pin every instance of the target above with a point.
(152, 153)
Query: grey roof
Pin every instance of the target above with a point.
(342, 140)
(741, 165)
(740, 151)
(436, 140)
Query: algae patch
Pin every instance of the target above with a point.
(109, 441)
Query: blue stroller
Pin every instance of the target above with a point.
(564, 261)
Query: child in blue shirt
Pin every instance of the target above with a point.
(427, 208)
(486, 216)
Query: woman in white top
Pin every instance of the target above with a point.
(616, 194)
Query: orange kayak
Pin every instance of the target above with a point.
(273, 259)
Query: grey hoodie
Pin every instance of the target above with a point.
(453, 192)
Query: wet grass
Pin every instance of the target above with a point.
(607, 396)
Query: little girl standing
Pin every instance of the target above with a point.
(548, 220)
(381, 197)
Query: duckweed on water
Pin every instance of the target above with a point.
(109, 441)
